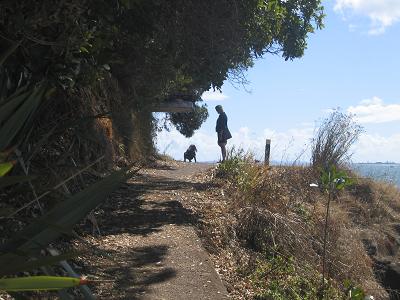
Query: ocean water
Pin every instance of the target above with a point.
(380, 171)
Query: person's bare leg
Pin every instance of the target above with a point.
(223, 150)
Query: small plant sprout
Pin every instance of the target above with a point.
(332, 180)
(356, 293)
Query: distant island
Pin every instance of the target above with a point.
(379, 163)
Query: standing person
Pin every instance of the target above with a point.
(222, 130)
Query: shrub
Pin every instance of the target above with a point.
(280, 278)
(333, 140)
(237, 160)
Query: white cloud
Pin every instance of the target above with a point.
(175, 144)
(382, 13)
(373, 101)
(375, 111)
(373, 148)
(285, 146)
(214, 96)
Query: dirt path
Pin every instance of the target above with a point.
(156, 253)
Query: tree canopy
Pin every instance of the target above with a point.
(154, 48)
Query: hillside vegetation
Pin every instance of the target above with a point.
(318, 231)
(265, 228)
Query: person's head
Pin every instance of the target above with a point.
(219, 109)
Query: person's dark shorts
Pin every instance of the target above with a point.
(222, 139)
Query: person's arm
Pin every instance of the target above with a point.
(224, 121)
(219, 127)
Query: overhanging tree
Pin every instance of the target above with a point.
(155, 48)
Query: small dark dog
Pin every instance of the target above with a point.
(190, 153)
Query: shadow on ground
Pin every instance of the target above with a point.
(135, 269)
(133, 272)
(127, 212)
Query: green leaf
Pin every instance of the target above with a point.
(5, 168)
(38, 283)
(10, 129)
(325, 178)
(340, 186)
(347, 284)
(83, 50)
(11, 105)
(356, 293)
(65, 215)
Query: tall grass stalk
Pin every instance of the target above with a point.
(326, 225)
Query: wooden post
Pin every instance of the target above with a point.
(267, 151)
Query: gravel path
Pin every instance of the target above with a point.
(156, 253)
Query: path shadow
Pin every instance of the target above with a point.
(142, 268)
(145, 217)
(126, 212)
(162, 184)
(156, 166)
(136, 270)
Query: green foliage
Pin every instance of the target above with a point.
(22, 253)
(154, 48)
(17, 112)
(354, 292)
(59, 220)
(241, 171)
(279, 278)
(38, 283)
(334, 178)
(187, 123)
(234, 163)
(5, 168)
(16, 115)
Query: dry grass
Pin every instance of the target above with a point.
(333, 140)
(262, 212)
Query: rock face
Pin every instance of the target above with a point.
(384, 250)
(388, 272)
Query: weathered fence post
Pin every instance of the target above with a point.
(267, 152)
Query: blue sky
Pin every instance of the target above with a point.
(353, 63)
